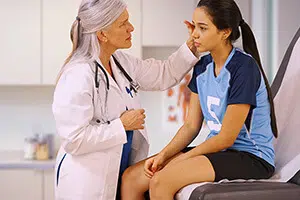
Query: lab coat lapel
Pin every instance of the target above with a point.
(112, 82)
(121, 80)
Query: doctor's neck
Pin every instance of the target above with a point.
(106, 52)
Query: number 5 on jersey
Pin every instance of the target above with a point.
(211, 124)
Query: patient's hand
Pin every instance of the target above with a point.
(153, 164)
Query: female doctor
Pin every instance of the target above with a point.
(96, 101)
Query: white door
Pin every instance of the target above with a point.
(21, 184)
(20, 55)
(58, 17)
(49, 184)
(163, 21)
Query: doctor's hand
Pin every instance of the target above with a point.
(190, 42)
(133, 119)
(153, 164)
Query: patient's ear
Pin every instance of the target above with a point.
(226, 33)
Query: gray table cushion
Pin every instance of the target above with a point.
(296, 179)
(247, 191)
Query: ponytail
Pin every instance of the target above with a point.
(250, 47)
(75, 38)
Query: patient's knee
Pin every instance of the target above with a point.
(156, 181)
(130, 176)
(127, 175)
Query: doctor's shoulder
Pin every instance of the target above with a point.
(127, 60)
(76, 74)
(123, 55)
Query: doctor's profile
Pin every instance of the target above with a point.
(230, 91)
(96, 104)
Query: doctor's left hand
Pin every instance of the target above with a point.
(133, 119)
(190, 42)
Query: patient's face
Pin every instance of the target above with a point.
(206, 35)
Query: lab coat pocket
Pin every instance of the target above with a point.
(59, 172)
(62, 179)
(86, 175)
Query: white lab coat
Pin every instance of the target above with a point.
(93, 150)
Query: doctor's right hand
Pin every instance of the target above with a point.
(133, 119)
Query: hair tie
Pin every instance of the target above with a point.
(78, 29)
(242, 22)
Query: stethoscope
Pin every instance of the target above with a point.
(134, 86)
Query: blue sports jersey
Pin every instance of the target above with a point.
(239, 82)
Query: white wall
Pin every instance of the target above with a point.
(24, 110)
(274, 23)
(152, 102)
(261, 30)
(288, 24)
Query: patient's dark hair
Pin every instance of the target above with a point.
(225, 14)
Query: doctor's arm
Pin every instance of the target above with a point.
(154, 74)
(161, 75)
(73, 112)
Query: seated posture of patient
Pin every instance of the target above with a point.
(231, 93)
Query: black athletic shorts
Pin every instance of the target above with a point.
(232, 164)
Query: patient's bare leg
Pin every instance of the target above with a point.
(165, 183)
(134, 181)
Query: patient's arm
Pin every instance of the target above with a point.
(188, 131)
(233, 121)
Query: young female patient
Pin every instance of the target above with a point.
(231, 93)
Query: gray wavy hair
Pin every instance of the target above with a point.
(93, 16)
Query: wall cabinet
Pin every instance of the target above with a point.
(27, 184)
(35, 40)
(49, 184)
(57, 19)
(20, 42)
(21, 184)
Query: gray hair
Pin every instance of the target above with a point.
(93, 16)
